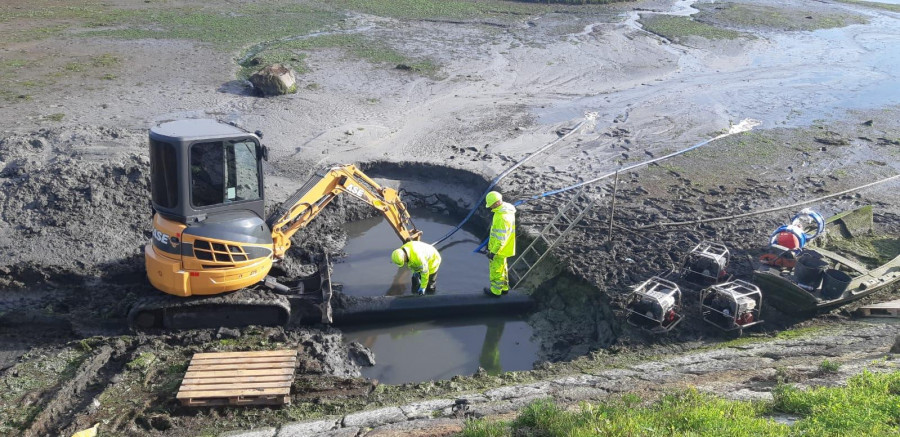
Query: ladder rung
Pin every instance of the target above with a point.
(515, 266)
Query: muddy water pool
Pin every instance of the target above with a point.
(367, 269)
(429, 350)
(442, 349)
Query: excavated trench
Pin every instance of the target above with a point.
(569, 318)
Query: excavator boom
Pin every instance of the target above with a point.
(307, 202)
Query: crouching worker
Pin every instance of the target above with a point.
(424, 260)
(502, 242)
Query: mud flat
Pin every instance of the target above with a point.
(436, 102)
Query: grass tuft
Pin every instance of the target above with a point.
(829, 366)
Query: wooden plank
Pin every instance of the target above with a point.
(262, 400)
(890, 304)
(227, 373)
(278, 353)
(239, 378)
(233, 393)
(880, 312)
(244, 360)
(238, 366)
(883, 309)
(266, 378)
(234, 386)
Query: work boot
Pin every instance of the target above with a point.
(487, 291)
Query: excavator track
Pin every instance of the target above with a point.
(245, 307)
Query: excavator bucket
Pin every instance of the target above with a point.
(312, 297)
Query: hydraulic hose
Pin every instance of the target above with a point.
(503, 175)
(744, 126)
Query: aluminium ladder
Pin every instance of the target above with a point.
(550, 236)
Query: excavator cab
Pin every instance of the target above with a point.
(209, 230)
(203, 167)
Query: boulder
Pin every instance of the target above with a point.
(274, 80)
(896, 347)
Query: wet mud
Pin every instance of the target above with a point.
(74, 204)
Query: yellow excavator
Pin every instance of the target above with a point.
(212, 247)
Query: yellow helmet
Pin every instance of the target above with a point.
(398, 257)
(492, 198)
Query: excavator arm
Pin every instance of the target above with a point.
(307, 202)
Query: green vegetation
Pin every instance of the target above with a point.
(684, 413)
(21, 387)
(678, 29)
(749, 16)
(873, 251)
(55, 117)
(142, 362)
(869, 405)
(449, 9)
(829, 366)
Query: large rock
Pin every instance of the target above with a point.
(896, 347)
(274, 80)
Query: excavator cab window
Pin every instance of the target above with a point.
(224, 172)
(164, 171)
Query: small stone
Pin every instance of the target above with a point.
(224, 332)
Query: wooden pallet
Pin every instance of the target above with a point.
(239, 378)
(884, 309)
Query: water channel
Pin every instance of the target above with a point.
(435, 349)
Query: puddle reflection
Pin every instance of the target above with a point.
(442, 349)
(367, 269)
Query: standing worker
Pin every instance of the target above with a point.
(424, 260)
(502, 242)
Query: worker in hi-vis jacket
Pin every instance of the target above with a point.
(502, 242)
(424, 260)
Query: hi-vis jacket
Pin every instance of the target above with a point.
(503, 231)
(424, 259)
